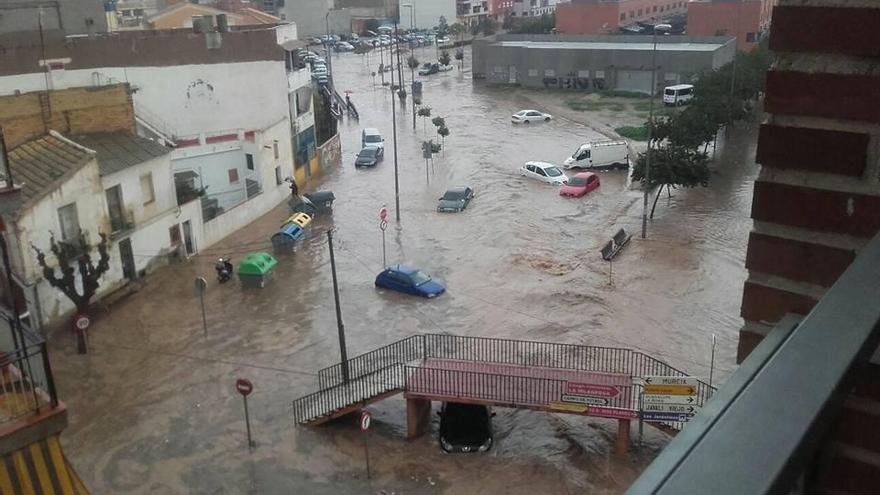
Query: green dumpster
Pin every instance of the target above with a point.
(256, 269)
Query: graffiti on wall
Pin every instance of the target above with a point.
(572, 81)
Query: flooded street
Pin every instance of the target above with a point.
(153, 408)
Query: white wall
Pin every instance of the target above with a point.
(286, 32)
(133, 200)
(212, 163)
(187, 99)
(427, 13)
(272, 194)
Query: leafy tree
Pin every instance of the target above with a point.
(457, 29)
(443, 132)
(459, 55)
(424, 112)
(413, 63)
(444, 57)
(70, 262)
(442, 27)
(673, 166)
(485, 25)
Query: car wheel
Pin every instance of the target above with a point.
(546, 119)
(526, 122)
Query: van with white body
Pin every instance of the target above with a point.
(372, 138)
(599, 154)
(679, 94)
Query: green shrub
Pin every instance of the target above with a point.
(637, 133)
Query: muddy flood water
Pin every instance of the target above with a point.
(153, 408)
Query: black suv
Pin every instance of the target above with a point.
(465, 427)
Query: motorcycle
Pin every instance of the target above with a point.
(224, 270)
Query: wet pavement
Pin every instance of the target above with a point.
(153, 408)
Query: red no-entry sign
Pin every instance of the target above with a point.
(244, 386)
(383, 213)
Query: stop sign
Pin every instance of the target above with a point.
(244, 386)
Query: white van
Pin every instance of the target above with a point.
(371, 138)
(679, 94)
(599, 154)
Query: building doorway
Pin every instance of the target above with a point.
(188, 238)
(127, 257)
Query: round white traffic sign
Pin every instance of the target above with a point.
(365, 420)
(82, 322)
(383, 225)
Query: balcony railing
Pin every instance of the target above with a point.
(27, 386)
(763, 428)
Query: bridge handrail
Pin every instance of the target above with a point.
(398, 352)
(345, 394)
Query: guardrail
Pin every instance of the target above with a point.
(763, 429)
(417, 350)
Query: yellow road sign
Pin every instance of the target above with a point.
(670, 390)
(562, 406)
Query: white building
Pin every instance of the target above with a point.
(426, 14)
(224, 101)
(73, 193)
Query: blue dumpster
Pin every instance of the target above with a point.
(291, 231)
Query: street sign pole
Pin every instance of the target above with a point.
(641, 416)
(201, 286)
(383, 224)
(366, 418)
(245, 387)
(712, 361)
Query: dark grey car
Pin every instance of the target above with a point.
(368, 157)
(456, 199)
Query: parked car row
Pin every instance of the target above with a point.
(431, 68)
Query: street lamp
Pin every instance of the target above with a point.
(327, 49)
(662, 28)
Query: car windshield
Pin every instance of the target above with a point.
(454, 195)
(419, 278)
(553, 171)
(368, 152)
(577, 182)
(373, 138)
(670, 92)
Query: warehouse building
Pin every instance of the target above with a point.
(596, 62)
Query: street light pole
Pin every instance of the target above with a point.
(327, 49)
(394, 132)
(647, 188)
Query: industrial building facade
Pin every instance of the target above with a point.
(596, 62)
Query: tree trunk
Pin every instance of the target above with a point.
(656, 198)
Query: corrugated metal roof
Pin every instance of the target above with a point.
(118, 151)
(41, 165)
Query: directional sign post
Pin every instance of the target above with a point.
(669, 399)
(201, 286)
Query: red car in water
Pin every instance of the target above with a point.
(580, 185)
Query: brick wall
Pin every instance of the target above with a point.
(739, 19)
(817, 199)
(70, 111)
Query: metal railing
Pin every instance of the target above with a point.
(764, 428)
(26, 382)
(357, 390)
(390, 366)
(459, 384)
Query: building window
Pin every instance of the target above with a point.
(640, 13)
(583, 74)
(275, 149)
(233, 176)
(147, 192)
(751, 37)
(249, 159)
(623, 16)
(278, 179)
(549, 73)
(632, 13)
(69, 221)
(533, 72)
(655, 9)
(600, 74)
(662, 8)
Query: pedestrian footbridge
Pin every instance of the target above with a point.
(562, 378)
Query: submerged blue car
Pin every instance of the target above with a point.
(409, 280)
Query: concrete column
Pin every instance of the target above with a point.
(418, 417)
(621, 444)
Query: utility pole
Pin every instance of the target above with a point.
(650, 130)
(394, 131)
(339, 324)
(733, 68)
(329, 54)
